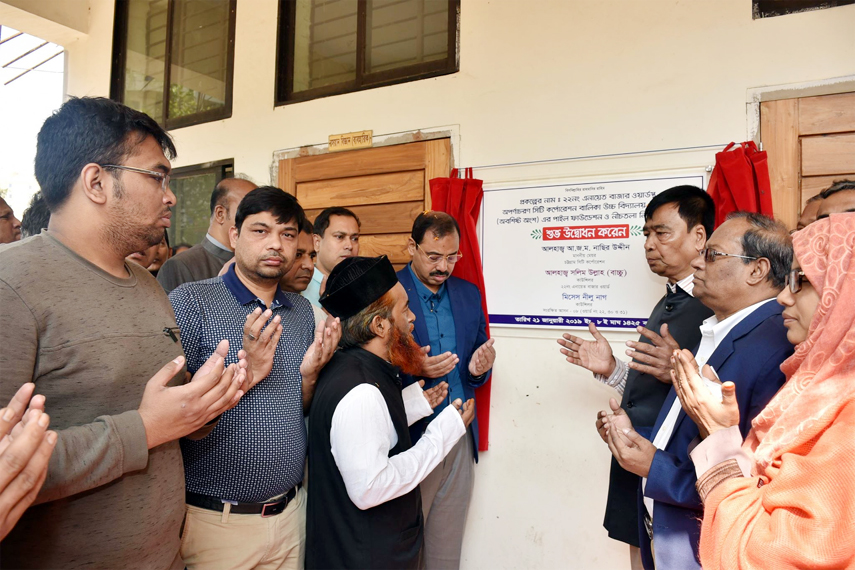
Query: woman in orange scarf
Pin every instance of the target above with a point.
(785, 498)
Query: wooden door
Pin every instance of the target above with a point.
(387, 187)
(810, 143)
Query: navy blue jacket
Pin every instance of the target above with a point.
(471, 332)
(749, 356)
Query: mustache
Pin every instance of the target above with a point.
(440, 273)
(272, 255)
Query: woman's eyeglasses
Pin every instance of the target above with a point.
(795, 278)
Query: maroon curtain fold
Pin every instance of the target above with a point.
(461, 198)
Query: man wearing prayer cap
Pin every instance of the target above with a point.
(364, 507)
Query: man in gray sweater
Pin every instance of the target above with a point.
(98, 338)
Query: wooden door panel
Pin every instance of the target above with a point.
(383, 218)
(361, 190)
(360, 162)
(393, 245)
(779, 131)
(827, 114)
(826, 155)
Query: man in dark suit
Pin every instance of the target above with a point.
(451, 328)
(743, 268)
(677, 224)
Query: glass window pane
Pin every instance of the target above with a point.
(405, 32)
(192, 211)
(324, 43)
(199, 59)
(146, 49)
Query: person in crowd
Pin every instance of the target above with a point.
(451, 327)
(677, 224)
(145, 257)
(98, 338)
(837, 198)
(25, 449)
(205, 259)
(784, 498)
(10, 226)
(36, 216)
(742, 269)
(297, 279)
(364, 503)
(336, 237)
(246, 508)
(180, 248)
(808, 215)
(162, 252)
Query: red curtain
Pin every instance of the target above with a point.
(461, 198)
(740, 181)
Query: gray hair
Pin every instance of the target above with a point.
(770, 239)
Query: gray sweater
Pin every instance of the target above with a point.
(90, 342)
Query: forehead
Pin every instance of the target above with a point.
(399, 294)
(729, 234)
(667, 215)
(148, 154)
(4, 207)
(268, 219)
(843, 201)
(449, 243)
(305, 242)
(343, 224)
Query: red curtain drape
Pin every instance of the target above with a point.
(740, 181)
(461, 198)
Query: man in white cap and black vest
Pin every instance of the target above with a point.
(364, 507)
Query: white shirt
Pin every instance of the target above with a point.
(362, 435)
(712, 333)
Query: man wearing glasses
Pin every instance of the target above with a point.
(451, 328)
(738, 275)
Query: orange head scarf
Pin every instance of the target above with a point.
(821, 372)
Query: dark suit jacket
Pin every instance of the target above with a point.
(750, 356)
(642, 400)
(202, 261)
(470, 330)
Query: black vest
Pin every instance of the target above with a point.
(338, 534)
(642, 399)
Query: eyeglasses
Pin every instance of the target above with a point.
(710, 255)
(436, 258)
(163, 178)
(795, 278)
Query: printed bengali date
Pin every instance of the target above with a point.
(620, 231)
(618, 322)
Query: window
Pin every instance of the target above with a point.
(192, 186)
(327, 47)
(770, 8)
(196, 38)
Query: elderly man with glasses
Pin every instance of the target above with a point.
(451, 328)
(744, 266)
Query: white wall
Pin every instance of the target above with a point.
(538, 80)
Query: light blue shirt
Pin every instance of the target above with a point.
(313, 291)
(439, 320)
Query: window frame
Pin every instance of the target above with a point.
(119, 59)
(285, 34)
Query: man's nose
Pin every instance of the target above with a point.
(16, 223)
(169, 197)
(442, 265)
(698, 262)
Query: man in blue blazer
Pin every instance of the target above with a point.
(451, 328)
(738, 275)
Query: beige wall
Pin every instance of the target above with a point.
(538, 80)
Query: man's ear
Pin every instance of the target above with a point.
(760, 273)
(97, 183)
(221, 214)
(411, 247)
(233, 236)
(316, 241)
(380, 326)
(699, 235)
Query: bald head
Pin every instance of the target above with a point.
(224, 202)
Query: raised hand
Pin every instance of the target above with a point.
(436, 395)
(615, 417)
(171, 412)
(708, 412)
(483, 358)
(655, 358)
(467, 410)
(260, 339)
(439, 365)
(594, 355)
(327, 336)
(632, 451)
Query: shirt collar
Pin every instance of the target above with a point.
(422, 290)
(719, 329)
(214, 241)
(317, 276)
(687, 284)
(244, 296)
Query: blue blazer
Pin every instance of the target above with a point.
(749, 356)
(471, 332)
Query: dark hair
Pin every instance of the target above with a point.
(356, 330)
(693, 205)
(270, 199)
(838, 186)
(307, 228)
(89, 130)
(770, 239)
(322, 222)
(36, 216)
(219, 195)
(440, 223)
